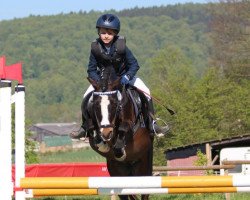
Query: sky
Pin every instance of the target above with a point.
(10, 9)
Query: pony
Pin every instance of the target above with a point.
(117, 128)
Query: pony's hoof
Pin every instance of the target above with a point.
(103, 147)
(120, 155)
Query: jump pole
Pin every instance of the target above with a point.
(134, 182)
(126, 191)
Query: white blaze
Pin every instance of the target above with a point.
(104, 109)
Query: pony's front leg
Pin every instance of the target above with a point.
(119, 149)
(120, 142)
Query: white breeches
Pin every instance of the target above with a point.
(136, 82)
(90, 89)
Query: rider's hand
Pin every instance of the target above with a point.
(125, 80)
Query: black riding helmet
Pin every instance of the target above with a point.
(108, 21)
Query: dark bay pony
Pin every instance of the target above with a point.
(118, 131)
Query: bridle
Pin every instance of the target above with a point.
(117, 109)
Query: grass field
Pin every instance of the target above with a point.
(88, 155)
(162, 197)
(81, 155)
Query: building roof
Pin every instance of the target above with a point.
(59, 129)
(241, 140)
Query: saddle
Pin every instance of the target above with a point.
(140, 107)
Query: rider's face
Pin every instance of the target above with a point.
(106, 35)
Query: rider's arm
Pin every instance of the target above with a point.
(131, 64)
(92, 68)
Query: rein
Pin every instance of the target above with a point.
(172, 112)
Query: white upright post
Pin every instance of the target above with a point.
(6, 186)
(19, 139)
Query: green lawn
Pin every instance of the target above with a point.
(81, 155)
(238, 196)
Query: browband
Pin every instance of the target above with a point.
(105, 93)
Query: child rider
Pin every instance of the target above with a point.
(104, 52)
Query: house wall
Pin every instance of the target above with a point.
(43, 148)
(185, 157)
(54, 137)
(184, 162)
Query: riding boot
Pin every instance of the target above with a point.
(153, 127)
(81, 132)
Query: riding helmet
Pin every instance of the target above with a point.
(108, 21)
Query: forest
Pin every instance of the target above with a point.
(195, 58)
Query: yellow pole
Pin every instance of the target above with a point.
(196, 181)
(79, 192)
(202, 190)
(110, 182)
(63, 192)
(54, 182)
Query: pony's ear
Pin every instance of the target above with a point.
(94, 83)
(115, 83)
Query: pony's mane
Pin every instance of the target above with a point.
(108, 75)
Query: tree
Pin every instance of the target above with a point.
(222, 105)
(172, 78)
(213, 107)
(230, 26)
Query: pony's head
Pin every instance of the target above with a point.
(106, 103)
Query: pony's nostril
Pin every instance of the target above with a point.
(107, 133)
